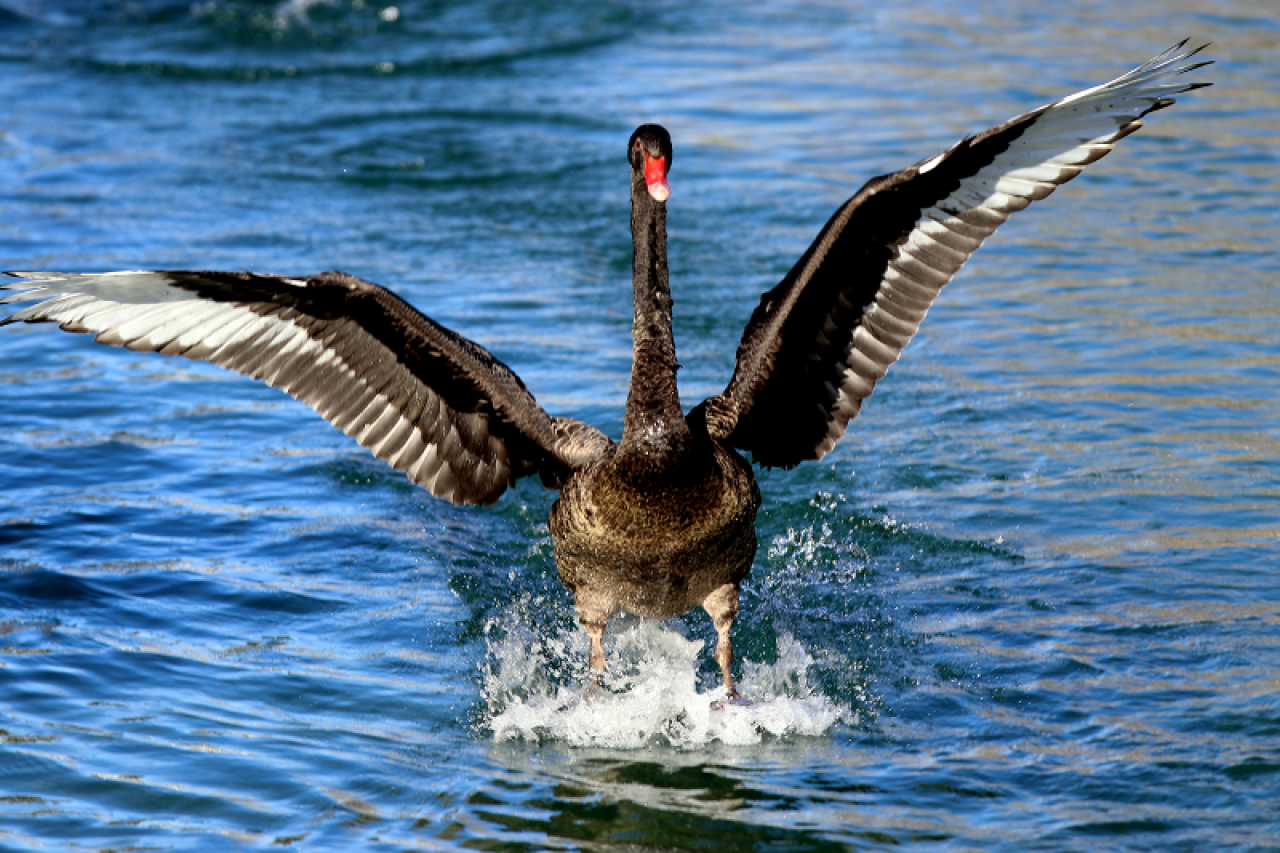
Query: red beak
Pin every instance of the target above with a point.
(655, 176)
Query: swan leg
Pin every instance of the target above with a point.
(595, 658)
(594, 610)
(722, 606)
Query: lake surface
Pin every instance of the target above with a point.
(1031, 601)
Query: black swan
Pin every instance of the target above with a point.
(663, 520)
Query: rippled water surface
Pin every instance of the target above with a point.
(1031, 602)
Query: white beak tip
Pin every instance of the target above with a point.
(660, 190)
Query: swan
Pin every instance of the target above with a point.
(663, 520)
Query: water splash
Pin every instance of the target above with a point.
(534, 692)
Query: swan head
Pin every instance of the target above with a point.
(649, 152)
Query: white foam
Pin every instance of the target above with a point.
(537, 689)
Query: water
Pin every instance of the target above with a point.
(1030, 603)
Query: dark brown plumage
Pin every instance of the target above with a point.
(664, 520)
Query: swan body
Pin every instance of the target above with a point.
(663, 520)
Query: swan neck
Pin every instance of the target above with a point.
(654, 422)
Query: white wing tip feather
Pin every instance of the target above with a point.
(1169, 63)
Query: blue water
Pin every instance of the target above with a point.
(1031, 602)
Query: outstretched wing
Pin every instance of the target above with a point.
(819, 341)
(426, 400)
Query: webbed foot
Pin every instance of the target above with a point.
(595, 691)
(732, 697)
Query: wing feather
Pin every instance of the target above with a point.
(819, 341)
(429, 402)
